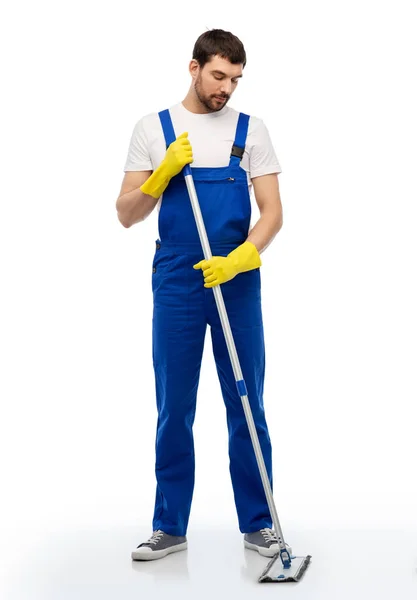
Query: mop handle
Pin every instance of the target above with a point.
(240, 383)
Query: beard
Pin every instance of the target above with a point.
(209, 102)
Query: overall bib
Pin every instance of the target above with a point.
(182, 309)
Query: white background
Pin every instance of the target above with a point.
(335, 84)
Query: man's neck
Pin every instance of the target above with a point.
(193, 104)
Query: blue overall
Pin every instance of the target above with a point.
(182, 309)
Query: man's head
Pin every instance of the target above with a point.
(217, 64)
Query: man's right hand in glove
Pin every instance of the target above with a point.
(178, 154)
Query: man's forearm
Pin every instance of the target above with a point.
(134, 206)
(265, 229)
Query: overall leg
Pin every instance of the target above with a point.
(243, 306)
(179, 327)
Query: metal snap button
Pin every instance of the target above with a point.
(154, 270)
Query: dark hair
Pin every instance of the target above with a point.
(220, 42)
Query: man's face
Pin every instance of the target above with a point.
(216, 82)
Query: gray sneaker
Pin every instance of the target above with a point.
(264, 541)
(159, 545)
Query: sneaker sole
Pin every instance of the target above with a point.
(155, 554)
(268, 552)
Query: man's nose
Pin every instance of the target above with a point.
(226, 87)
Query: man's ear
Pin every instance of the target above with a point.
(194, 68)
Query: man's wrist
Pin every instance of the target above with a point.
(245, 257)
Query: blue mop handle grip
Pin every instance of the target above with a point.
(241, 387)
(187, 170)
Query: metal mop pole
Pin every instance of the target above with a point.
(285, 557)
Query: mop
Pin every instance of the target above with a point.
(289, 568)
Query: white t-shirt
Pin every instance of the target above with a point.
(211, 136)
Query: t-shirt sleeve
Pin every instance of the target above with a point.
(138, 158)
(262, 157)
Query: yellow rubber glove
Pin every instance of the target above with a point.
(220, 269)
(178, 154)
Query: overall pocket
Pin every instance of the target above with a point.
(170, 287)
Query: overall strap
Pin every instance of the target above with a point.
(167, 126)
(238, 147)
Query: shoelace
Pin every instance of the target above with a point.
(269, 535)
(155, 537)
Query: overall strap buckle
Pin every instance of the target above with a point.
(238, 147)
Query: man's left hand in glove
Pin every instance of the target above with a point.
(220, 269)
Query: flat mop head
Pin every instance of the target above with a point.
(275, 572)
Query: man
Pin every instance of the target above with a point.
(229, 152)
